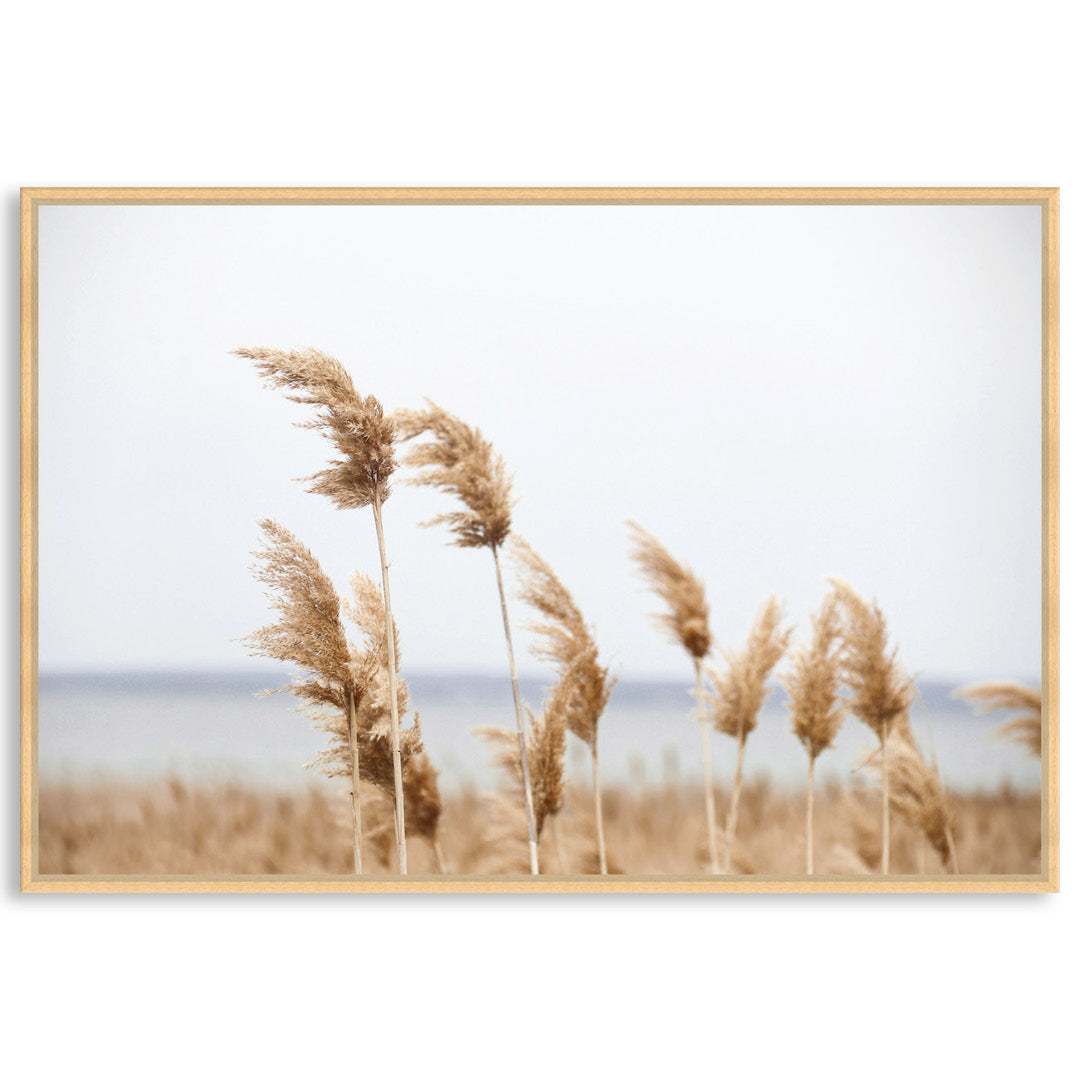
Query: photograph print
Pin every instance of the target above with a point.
(539, 541)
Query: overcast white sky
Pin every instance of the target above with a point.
(779, 393)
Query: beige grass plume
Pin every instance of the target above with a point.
(916, 793)
(546, 750)
(309, 633)
(423, 804)
(364, 436)
(356, 426)
(458, 460)
(881, 693)
(1025, 730)
(566, 641)
(687, 617)
(687, 622)
(813, 681)
(738, 694)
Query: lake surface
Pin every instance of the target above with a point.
(212, 727)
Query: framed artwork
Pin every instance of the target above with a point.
(645, 540)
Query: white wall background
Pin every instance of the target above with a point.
(483, 93)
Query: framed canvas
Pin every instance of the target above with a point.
(646, 540)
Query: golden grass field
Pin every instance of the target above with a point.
(175, 828)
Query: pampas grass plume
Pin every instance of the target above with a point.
(1025, 730)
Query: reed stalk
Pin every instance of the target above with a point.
(309, 633)
(364, 436)
(565, 641)
(687, 622)
(880, 692)
(545, 755)
(739, 693)
(916, 792)
(395, 726)
(460, 461)
(598, 811)
(733, 809)
(375, 759)
(706, 767)
(813, 683)
(530, 813)
(884, 805)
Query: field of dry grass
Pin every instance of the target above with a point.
(176, 828)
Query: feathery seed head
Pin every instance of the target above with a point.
(880, 691)
(368, 666)
(688, 618)
(1025, 730)
(813, 682)
(546, 749)
(371, 697)
(915, 790)
(565, 641)
(308, 631)
(738, 694)
(461, 462)
(356, 426)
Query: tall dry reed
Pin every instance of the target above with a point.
(739, 693)
(545, 757)
(881, 694)
(687, 622)
(916, 792)
(1024, 730)
(566, 642)
(366, 746)
(364, 437)
(458, 460)
(309, 633)
(812, 681)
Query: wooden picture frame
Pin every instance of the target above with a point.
(34, 200)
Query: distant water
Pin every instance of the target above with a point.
(212, 727)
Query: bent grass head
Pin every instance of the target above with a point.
(813, 682)
(461, 462)
(356, 426)
(687, 617)
(880, 692)
(565, 641)
(1025, 730)
(308, 632)
(915, 791)
(739, 693)
(546, 751)
(371, 683)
